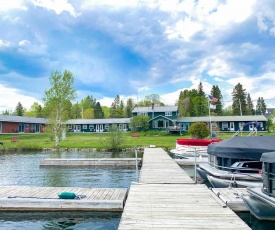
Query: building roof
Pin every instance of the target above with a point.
(269, 110)
(149, 109)
(20, 119)
(223, 118)
(98, 121)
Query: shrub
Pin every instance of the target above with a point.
(199, 130)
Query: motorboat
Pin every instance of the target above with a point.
(186, 147)
(261, 200)
(236, 161)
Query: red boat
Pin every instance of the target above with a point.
(196, 142)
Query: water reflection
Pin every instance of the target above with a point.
(60, 220)
(22, 169)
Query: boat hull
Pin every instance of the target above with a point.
(262, 208)
(202, 174)
(225, 183)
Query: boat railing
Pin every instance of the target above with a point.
(235, 170)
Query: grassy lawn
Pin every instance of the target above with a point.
(93, 140)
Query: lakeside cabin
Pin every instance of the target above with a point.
(97, 125)
(163, 118)
(19, 124)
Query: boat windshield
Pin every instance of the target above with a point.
(237, 164)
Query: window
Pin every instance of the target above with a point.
(91, 126)
(224, 125)
(142, 114)
(241, 125)
(84, 126)
(69, 126)
(107, 126)
(26, 126)
(169, 113)
(214, 125)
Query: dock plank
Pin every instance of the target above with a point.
(167, 198)
(46, 199)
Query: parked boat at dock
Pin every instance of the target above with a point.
(186, 147)
(236, 161)
(261, 200)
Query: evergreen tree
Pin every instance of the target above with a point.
(19, 111)
(261, 106)
(200, 102)
(239, 106)
(250, 106)
(6, 112)
(215, 92)
(98, 111)
(115, 107)
(129, 107)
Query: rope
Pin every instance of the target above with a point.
(78, 197)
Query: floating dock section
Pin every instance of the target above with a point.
(167, 198)
(232, 198)
(116, 162)
(15, 198)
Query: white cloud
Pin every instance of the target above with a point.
(4, 43)
(184, 29)
(58, 6)
(12, 4)
(10, 97)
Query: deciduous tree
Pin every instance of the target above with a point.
(57, 100)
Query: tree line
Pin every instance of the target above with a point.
(195, 102)
(190, 103)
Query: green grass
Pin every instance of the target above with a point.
(93, 140)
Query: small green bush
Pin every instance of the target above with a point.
(199, 130)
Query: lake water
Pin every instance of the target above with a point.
(22, 169)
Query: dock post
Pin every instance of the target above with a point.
(195, 153)
(136, 165)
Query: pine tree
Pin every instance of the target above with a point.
(19, 111)
(239, 105)
(250, 106)
(114, 110)
(261, 106)
(215, 92)
(129, 107)
(98, 112)
(200, 102)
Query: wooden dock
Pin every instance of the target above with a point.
(231, 197)
(166, 198)
(91, 162)
(159, 168)
(22, 198)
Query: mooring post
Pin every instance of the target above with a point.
(136, 164)
(195, 153)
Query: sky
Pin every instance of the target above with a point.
(135, 48)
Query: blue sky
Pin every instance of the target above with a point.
(136, 48)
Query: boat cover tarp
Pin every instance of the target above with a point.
(243, 147)
(268, 157)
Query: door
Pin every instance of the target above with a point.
(77, 128)
(99, 128)
(232, 127)
(21, 128)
